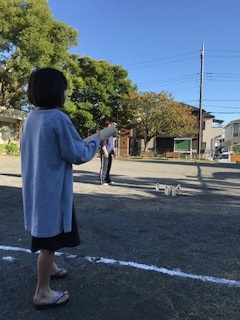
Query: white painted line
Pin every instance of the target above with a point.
(8, 258)
(8, 248)
(174, 273)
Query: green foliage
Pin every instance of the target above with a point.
(82, 119)
(2, 148)
(12, 149)
(30, 37)
(158, 114)
(98, 92)
(236, 149)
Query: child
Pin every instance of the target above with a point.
(49, 146)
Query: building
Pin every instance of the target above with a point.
(11, 121)
(212, 135)
(232, 134)
(212, 139)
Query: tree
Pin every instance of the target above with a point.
(29, 38)
(98, 90)
(236, 148)
(159, 114)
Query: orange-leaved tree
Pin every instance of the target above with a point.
(159, 114)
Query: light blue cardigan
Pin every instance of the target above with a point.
(49, 146)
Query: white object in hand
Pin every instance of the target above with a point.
(103, 134)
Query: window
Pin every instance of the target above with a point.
(236, 129)
(224, 156)
(7, 131)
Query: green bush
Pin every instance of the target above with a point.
(12, 149)
(236, 148)
(2, 148)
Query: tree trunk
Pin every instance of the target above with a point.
(146, 145)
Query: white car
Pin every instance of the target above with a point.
(224, 157)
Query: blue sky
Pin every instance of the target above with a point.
(159, 43)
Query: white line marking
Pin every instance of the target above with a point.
(8, 258)
(8, 248)
(174, 273)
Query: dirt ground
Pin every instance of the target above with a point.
(143, 255)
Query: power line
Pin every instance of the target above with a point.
(185, 89)
(223, 112)
(173, 78)
(189, 78)
(160, 59)
(221, 99)
(220, 50)
(224, 74)
(165, 84)
(216, 56)
(161, 64)
(186, 79)
(212, 79)
(220, 107)
(227, 77)
(183, 79)
(222, 80)
(180, 55)
(224, 51)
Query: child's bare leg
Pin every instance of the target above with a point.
(55, 269)
(43, 293)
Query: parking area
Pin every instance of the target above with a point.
(143, 255)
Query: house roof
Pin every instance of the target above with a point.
(218, 121)
(206, 114)
(235, 121)
(11, 113)
(231, 122)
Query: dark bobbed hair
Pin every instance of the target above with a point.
(46, 88)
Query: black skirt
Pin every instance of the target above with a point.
(69, 239)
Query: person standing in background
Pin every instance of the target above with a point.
(107, 152)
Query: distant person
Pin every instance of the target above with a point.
(49, 146)
(107, 152)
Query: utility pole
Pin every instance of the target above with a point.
(200, 117)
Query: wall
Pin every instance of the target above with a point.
(123, 142)
(209, 133)
(229, 139)
(11, 121)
